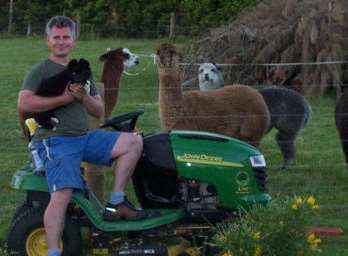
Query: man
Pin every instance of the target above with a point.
(64, 148)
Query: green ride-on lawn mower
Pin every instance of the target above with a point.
(186, 181)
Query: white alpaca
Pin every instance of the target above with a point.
(210, 77)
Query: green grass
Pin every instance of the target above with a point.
(318, 169)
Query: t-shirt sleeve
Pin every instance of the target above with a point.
(32, 79)
(94, 90)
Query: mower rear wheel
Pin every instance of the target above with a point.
(19, 210)
(27, 235)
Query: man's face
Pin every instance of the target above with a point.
(60, 41)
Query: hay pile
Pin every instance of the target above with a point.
(279, 31)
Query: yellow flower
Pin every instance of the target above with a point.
(258, 251)
(299, 200)
(221, 238)
(311, 201)
(228, 253)
(313, 241)
(294, 206)
(257, 235)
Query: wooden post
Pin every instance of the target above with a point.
(28, 18)
(78, 24)
(172, 26)
(95, 174)
(10, 17)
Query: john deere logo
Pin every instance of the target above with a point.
(242, 179)
(206, 159)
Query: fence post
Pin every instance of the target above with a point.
(10, 17)
(172, 25)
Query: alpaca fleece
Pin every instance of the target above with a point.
(237, 111)
(76, 72)
(341, 118)
(290, 112)
(115, 61)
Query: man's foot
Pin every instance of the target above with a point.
(124, 210)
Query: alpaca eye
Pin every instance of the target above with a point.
(201, 71)
(126, 56)
(213, 70)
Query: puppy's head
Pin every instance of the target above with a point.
(80, 71)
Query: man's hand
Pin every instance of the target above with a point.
(77, 91)
(68, 96)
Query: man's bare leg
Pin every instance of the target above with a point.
(54, 217)
(127, 150)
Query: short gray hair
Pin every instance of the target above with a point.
(61, 22)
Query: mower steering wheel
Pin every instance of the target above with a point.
(125, 122)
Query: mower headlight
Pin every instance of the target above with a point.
(258, 161)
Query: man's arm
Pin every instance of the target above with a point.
(28, 101)
(94, 105)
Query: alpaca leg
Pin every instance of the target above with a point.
(344, 140)
(286, 143)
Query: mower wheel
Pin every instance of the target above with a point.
(27, 236)
(19, 210)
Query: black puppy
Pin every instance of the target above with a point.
(76, 72)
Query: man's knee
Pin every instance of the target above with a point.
(136, 142)
(128, 143)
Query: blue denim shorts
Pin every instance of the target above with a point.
(62, 156)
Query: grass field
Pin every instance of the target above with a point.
(318, 170)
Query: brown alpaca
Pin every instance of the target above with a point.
(114, 63)
(237, 111)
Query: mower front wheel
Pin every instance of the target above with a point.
(27, 236)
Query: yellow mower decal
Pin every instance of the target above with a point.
(206, 159)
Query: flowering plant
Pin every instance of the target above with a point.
(276, 229)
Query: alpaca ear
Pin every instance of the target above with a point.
(106, 55)
(219, 68)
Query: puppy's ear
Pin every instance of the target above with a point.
(84, 63)
(72, 64)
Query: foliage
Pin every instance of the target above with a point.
(3, 252)
(130, 18)
(274, 230)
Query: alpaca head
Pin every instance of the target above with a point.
(121, 57)
(167, 56)
(210, 76)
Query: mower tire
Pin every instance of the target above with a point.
(27, 235)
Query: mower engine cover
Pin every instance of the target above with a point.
(200, 171)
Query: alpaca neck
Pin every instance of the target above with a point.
(170, 94)
(111, 78)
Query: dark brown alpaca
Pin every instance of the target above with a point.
(341, 118)
(114, 63)
(237, 111)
